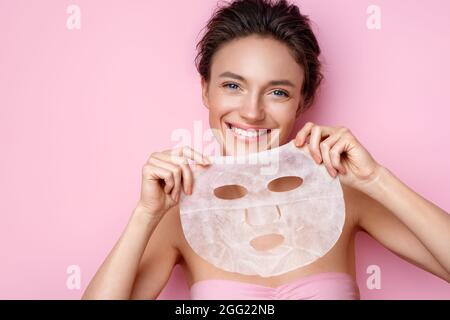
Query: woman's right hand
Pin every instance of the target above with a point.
(164, 175)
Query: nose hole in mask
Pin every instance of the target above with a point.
(230, 192)
(283, 184)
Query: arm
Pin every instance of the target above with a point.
(391, 212)
(406, 223)
(122, 275)
(158, 260)
(115, 277)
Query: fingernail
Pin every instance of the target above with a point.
(317, 158)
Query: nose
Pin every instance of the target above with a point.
(259, 216)
(252, 111)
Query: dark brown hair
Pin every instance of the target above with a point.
(277, 19)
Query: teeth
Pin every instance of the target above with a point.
(249, 133)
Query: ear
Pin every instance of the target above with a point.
(205, 86)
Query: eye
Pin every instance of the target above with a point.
(283, 184)
(230, 192)
(282, 93)
(227, 85)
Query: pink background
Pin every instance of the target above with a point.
(81, 111)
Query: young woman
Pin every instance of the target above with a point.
(259, 66)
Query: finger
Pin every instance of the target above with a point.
(175, 194)
(317, 132)
(301, 136)
(335, 155)
(325, 147)
(192, 154)
(186, 171)
(151, 172)
(188, 178)
(176, 174)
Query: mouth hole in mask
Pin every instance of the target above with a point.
(283, 184)
(230, 192)
(267, 242)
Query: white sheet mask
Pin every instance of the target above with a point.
(280, 211)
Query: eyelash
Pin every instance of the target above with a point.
(225, 85)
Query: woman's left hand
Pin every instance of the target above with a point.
(341, 153)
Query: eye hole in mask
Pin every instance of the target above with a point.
(230, 192)
(283, 184)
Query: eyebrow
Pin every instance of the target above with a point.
(232, 75)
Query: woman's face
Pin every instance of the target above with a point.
(253, 94)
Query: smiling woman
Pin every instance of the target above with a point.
(279, 21)
(260, 70)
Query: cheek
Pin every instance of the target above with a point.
(216, 112)
(223, 102)
(283, 115)
(220, 105)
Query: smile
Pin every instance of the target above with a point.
(247, 133)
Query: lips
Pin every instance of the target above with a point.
(247, 133)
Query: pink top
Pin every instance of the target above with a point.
(320, 286)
